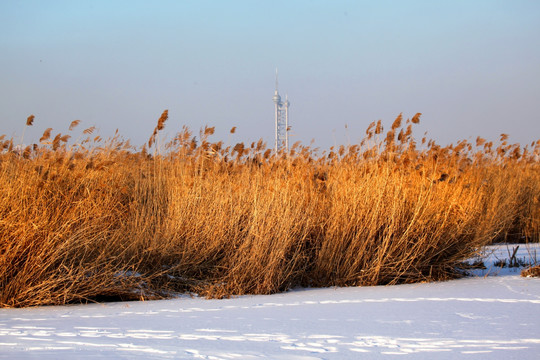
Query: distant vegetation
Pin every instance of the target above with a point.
(100, 220)
(533, 271)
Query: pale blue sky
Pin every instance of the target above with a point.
(471, 67)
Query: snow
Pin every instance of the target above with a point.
(492, 315)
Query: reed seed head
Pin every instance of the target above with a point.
(89, 131)
(397, 123)
(46, 135)
(379, 129)
(74, 124)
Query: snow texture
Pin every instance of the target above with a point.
(492, 315)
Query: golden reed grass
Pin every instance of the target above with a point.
(99, 220)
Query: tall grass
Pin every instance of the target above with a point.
(97, 220)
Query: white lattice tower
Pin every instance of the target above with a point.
(281, 118)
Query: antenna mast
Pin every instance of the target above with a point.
(281, 119)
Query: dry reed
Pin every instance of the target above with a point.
(90, 222)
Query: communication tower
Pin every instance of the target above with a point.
(281, 117)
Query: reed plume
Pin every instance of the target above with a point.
(160, 126)
(46, 135)
(74, 124)
(30, 120)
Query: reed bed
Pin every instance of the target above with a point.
(95, 220)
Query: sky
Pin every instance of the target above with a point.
(472, 68)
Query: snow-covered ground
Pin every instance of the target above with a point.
(494, 315)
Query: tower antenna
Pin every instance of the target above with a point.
(276, 80)
(281, 118)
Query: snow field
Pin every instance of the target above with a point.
(481, 317)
